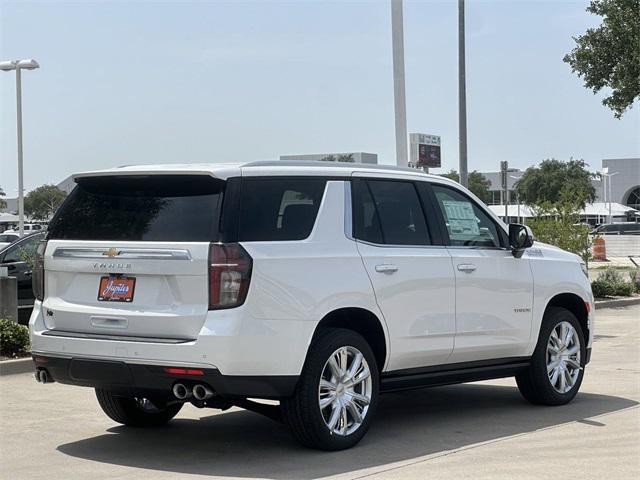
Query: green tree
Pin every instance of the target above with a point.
(555, 182)
(478, 183)
(43, 202)
(560, 225)
(609, 56)
(3, 203)
(344, 158)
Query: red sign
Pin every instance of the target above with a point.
(428, 155)
(116, 289)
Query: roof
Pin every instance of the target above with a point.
(277, 167)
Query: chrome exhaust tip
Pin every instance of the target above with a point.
(202, 392)
(181, 392)
(42, 376)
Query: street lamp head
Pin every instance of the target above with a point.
(8, 65)
(28, 64)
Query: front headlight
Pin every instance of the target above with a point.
(585, 270)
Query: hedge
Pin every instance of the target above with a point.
(14, 339)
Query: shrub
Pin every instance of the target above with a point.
(14, 339)
(634, 277)
(610, 275)
(602, 289)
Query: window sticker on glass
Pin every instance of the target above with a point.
(461, 217)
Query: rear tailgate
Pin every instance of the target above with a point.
(143, 242)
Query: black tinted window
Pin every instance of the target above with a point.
(181, 208)
(279, 208)
(366, 224)
(398, 218)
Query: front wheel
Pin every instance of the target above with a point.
(135, 412)
(337, 393)
(557, 364)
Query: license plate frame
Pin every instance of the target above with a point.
(110, 288)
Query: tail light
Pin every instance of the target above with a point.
(37, 276)
(229, 275)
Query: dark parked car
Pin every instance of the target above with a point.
(626, 228)
(13, 257)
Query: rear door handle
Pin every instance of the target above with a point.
(466, 267)
(386, 268)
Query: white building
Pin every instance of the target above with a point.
(358, 157)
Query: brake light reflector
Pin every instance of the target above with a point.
(229, 275)
(37, 276)
(183, 371)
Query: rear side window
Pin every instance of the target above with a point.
(276, 209)
(179, 208)
(389, 212)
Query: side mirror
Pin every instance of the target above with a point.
(520, 238)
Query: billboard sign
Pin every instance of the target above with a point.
(425, 150)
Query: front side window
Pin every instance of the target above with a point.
(467, 224)
(388, 212)
(279, 209)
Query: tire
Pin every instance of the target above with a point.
(133, 412)
(535, 384)
(328, 428)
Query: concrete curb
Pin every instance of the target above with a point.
(19, 365)
(617, 302)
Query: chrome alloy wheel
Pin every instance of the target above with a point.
(345, 390)
(563, 357)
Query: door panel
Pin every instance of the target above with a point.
(493, 304)
(413, 280)
(494, 290)
(415, 290)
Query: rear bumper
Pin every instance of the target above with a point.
(152, 381)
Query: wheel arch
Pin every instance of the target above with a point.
(362, 321)
(576, 305)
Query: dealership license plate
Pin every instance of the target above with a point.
(116, 288)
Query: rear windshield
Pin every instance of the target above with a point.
(178, 208)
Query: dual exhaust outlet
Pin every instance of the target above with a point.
(199, 391)
(42, 376)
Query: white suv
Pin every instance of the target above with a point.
(315, 284)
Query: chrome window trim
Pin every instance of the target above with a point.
(124, 253)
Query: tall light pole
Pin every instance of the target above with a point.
(18, 66)
(462, 97)
(399, 98)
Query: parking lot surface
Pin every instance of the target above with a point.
(480, 430)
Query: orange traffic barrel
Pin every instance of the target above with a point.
(599, 250)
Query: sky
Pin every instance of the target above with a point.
(126, 83)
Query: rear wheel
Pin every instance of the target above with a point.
(135, 412)
(557, 365)
(337, 393)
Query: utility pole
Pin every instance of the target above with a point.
(504, 168)
(18, 66)
(462, 98)
(399, 98)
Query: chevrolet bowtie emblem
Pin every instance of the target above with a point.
(112, 252)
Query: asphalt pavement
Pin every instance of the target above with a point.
(480, 430)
